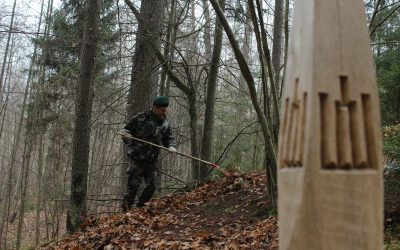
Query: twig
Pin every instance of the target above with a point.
(384, 19)
(173, 177)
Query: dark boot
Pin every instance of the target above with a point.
(125, 207)
(133, 184)
(150, 180)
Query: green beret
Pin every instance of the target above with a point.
(162, 101)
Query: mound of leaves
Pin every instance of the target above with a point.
(230, 213)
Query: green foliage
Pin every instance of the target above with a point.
(389, 85)
(64, 45)
(387, 58)
(392, 241)
(59, 62)
(391, 142)
(391, 147)
(386, 46)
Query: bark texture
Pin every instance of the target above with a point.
(83, 110)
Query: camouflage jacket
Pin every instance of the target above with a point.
(148, 127)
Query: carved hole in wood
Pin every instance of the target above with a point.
(369, 131)
(328, 138)
(291, 154)
(284, 135)
(347, 133)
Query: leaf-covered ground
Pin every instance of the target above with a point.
(230, 213)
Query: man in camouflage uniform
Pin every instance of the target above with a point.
(152, 126)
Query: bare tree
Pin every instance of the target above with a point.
(24, 170)
(77, 207)
(208, 130)
(278, 39)
(265, 126)
(4, 65)
(144, 76)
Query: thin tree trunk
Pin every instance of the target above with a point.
(207, 30)
(46, 222)
(7, 206)
(164, 82)
(38, 128)
(81, 141)
(39, 194)
(208, 130)
(278, 38)
(241, 108)
(168, 47)
(24, 184)
(193, 136)
(287, 2)
(3, 67)
(267, 132)
(273, 88)
(171, 56)
(271, 170)
(24, 170)
(7, 87)
(261, 55)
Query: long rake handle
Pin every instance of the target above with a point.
(213, 165)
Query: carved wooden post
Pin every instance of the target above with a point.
(330, 163)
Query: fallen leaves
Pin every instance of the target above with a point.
(228, 214)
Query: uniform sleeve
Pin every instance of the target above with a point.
(168, 140)
(132, 125)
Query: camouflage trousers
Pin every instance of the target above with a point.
(135, 173)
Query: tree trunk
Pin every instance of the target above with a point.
(4, 108)
(208, 130)
(39, 194)
(274, 97)
(24, 183)
(24, 170)
(171, 55)
(194, 143)
(144, 74)
(83, 111)
(287, 2)
(3, 67)
(266, 128)
(278, 38)
(168, 46)
(207, 30)
(144, 77)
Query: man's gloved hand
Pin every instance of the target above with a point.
(172, 149)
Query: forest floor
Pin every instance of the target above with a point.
(229, 213)
(392, 210)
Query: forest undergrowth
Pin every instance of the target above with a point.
(228, 213)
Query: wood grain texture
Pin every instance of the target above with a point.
(331, 128)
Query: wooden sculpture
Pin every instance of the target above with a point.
(330, 163)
